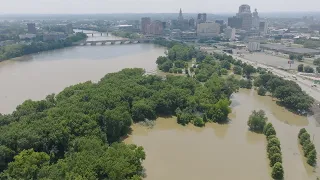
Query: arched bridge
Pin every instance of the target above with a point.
(116, 41)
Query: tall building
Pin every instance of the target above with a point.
(202, 18)
(263, 27)
(246, 16)
(244, 8)
(155, 28)
(191, 23)
(180, 18)
(145, 22)
(32, 28)
(69, 29)
(255, 19)
(235, 22)
(208, 29)
(230, 33)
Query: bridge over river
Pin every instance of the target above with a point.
(116, 41)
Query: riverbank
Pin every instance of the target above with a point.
(18, 50)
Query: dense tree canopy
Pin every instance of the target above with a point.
(277, 171)
(308, 147)
(176, 58)
(257, 121)
(308, 69)
(300, 67)
(64, 126)
(287, 92)
(316, 62)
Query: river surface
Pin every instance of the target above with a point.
(35, 76)
(226, 151)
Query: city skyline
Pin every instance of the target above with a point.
(149, 6)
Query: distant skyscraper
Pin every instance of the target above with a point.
(155, 28)
(235, 22)
(263, 27)
(244, 8)
(32, 28)
(191, 23)
(180, 18)
(202, 18)
(246, 16)
(69, 29)
(255, 19)
(145, 22)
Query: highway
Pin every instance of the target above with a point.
(304, 84)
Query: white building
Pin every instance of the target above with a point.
(208, 29)
(254, 46)
(230, 33)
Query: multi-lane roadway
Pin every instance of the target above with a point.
(306, 85)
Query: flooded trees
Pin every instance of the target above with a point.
(277, 171)
(289, 93)
(269, 130)
(274, 151)
(248, 70)
(257, 121)
(308, 147)
(245, 83)
(262, 91)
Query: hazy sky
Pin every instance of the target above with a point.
(149, 6)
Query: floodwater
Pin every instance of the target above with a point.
(227, 151)
(35, 76)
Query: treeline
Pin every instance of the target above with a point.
(289, 93)
(71, 135)
(258, 123)
(309, 150)
(274, 152)
(165, 43)
(17, 50)
(176, 59)
(308, 43)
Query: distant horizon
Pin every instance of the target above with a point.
(151, 6)
(101, 13)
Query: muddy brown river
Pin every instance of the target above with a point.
(174, 152)
(226, 151)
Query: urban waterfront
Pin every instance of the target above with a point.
(226, 151)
